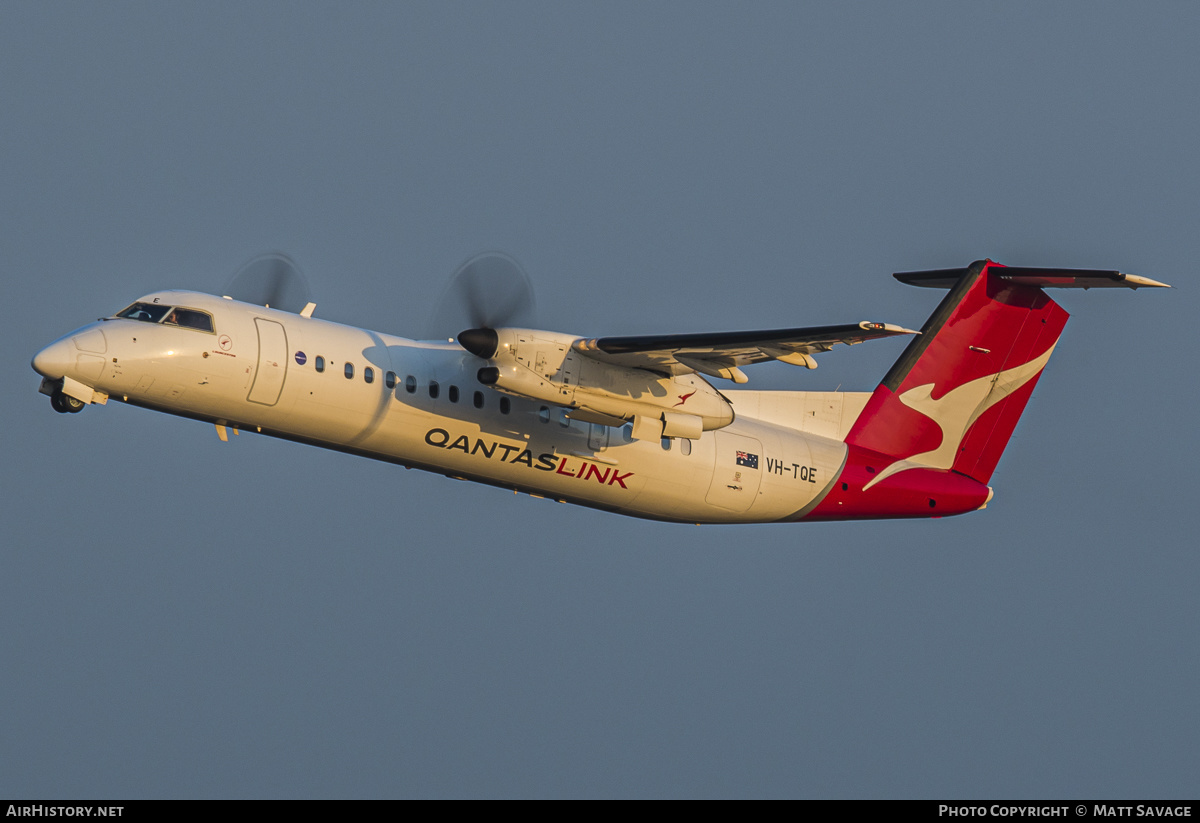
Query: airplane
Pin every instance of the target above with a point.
(628, 424)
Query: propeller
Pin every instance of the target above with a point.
(272, 279)
(489, 291)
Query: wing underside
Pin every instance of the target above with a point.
(721, 354)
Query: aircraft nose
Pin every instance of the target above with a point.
(55, 360)
(70, 352)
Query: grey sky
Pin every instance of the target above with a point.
(183, 617)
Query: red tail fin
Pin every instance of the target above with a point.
(953, 398)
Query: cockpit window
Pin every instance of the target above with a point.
(190, 319)
(169, 316)
(146, 312)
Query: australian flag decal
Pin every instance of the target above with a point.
(747, 459)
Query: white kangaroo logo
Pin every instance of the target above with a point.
(957, 410)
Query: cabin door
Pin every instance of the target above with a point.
(272, 363)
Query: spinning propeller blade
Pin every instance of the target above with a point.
(489, 291)
(271, 279)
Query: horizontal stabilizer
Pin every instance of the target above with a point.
(1041, 278)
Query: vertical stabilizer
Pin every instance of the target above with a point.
(954, 397)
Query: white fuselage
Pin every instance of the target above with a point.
(258, 371)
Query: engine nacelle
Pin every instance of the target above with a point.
(543, 366)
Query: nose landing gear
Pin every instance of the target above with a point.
(63, 403)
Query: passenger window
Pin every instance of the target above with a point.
(478, 400)
(349, 371)
(453, 394)
(666, 444)
(685, 446)
(319, 363)
(433, 389)
(410, 384)
(505, 405)
(389, 380)
(563, 420)
(544, 414)
(369, 375)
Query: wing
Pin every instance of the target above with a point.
(720, 354)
